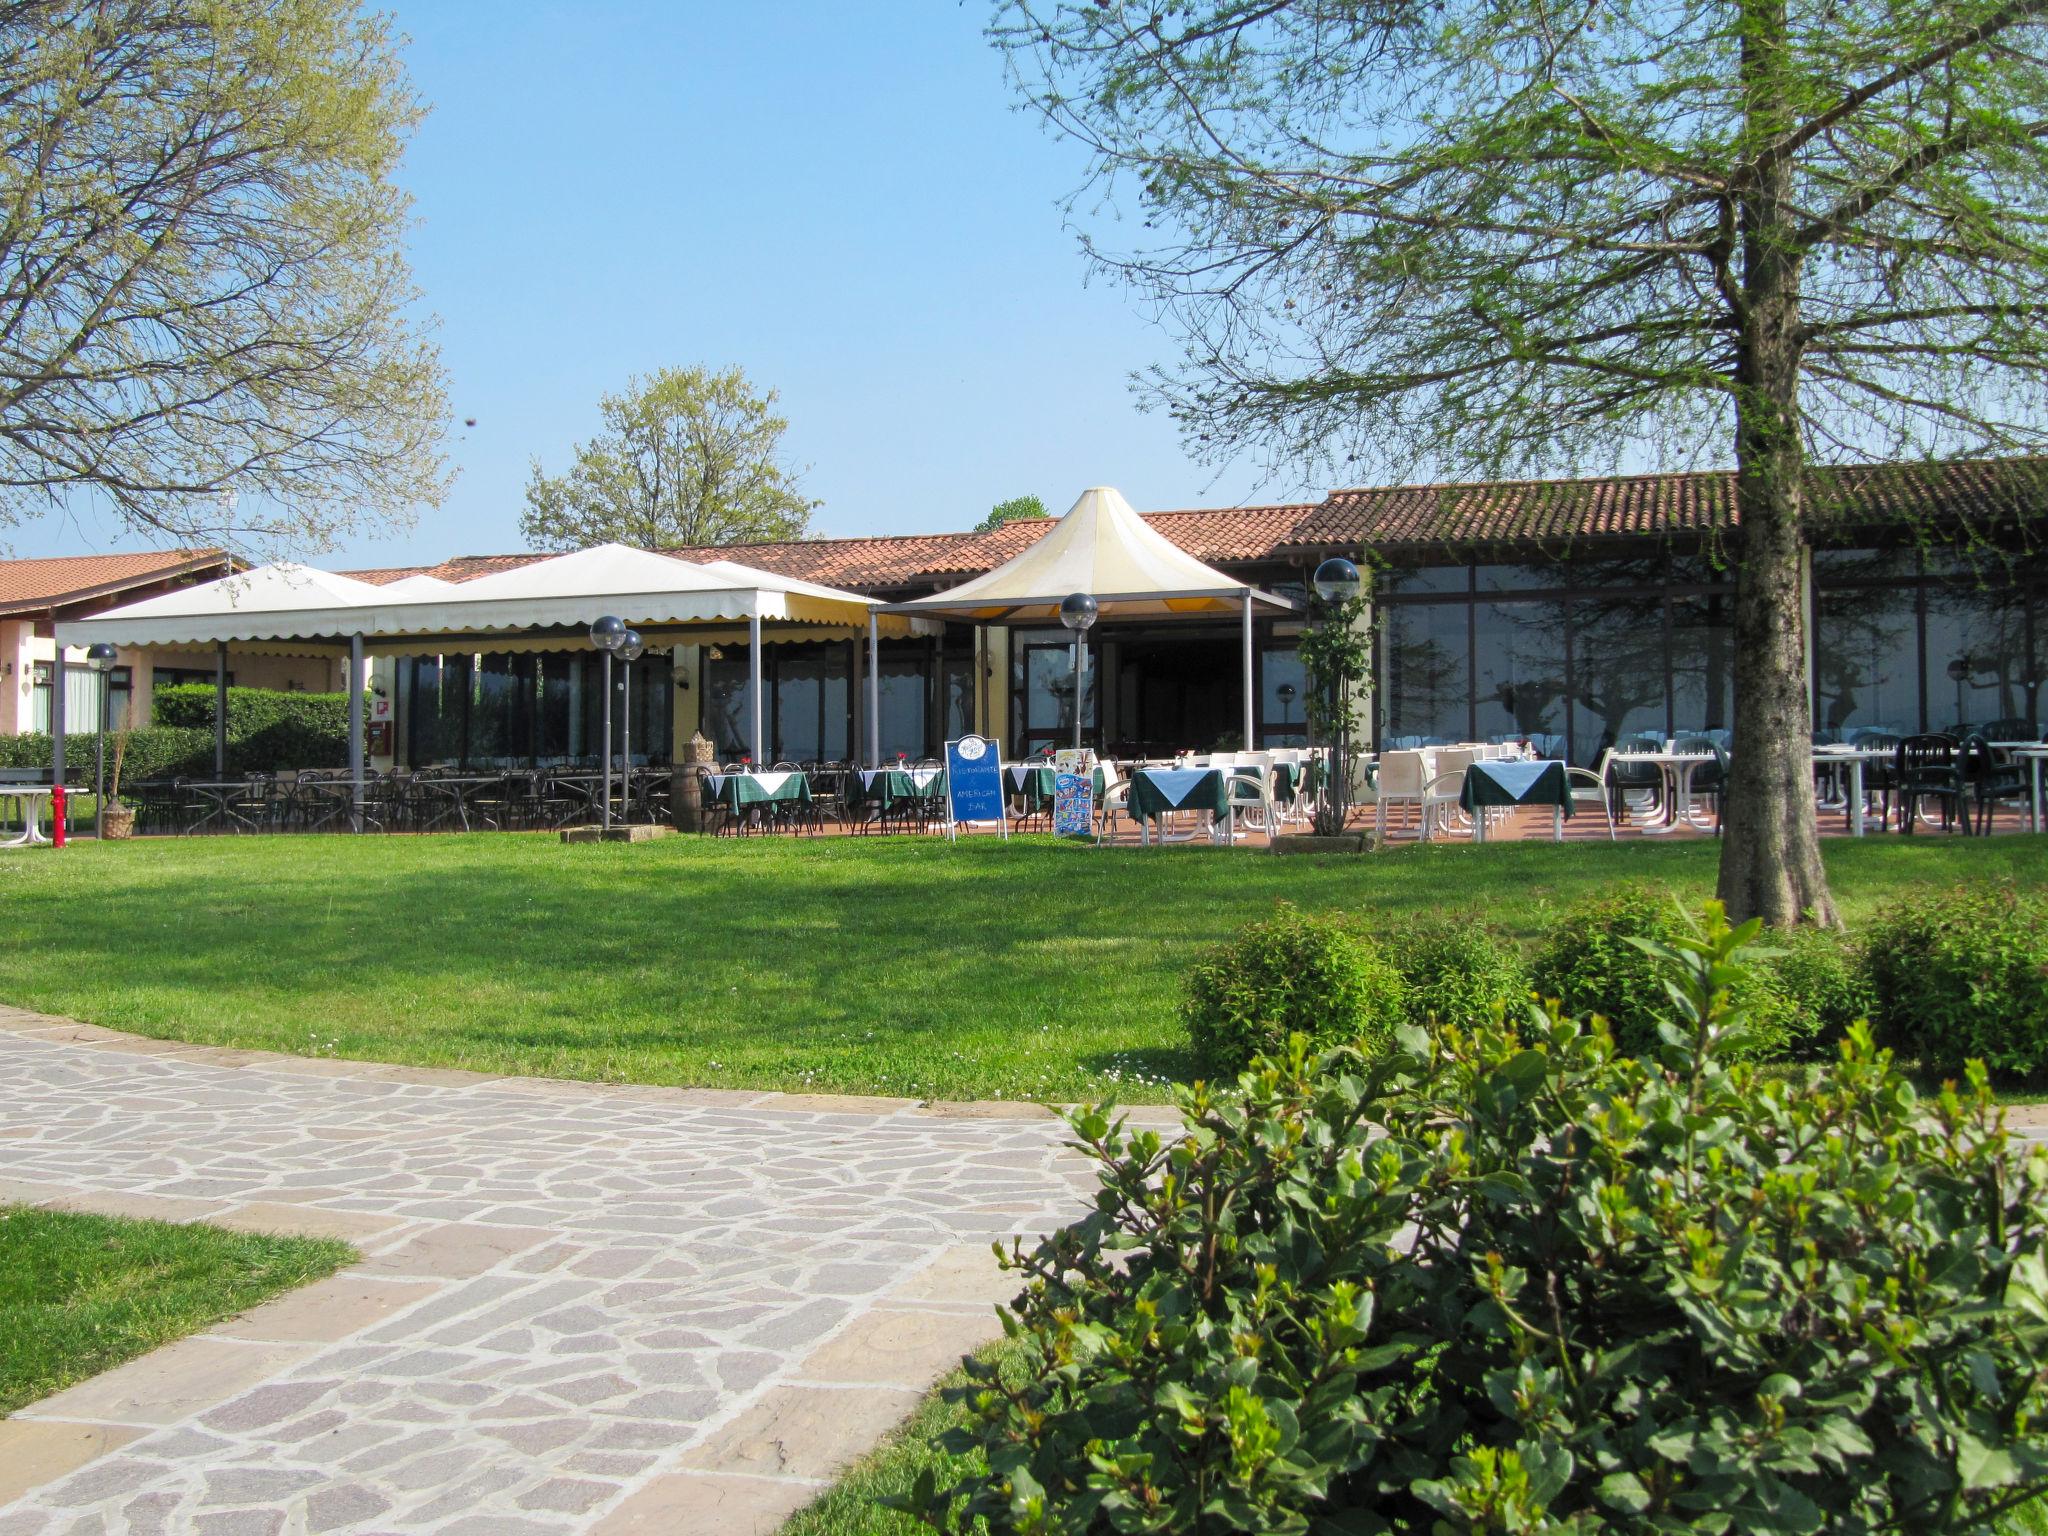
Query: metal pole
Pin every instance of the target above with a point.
(626, 749)
(874, 690)
(220, 710)
(1249, 744)
(1077, 690)
(754, 679)
(57, 719)
(99, 768)
(605, 725)
(355, 731)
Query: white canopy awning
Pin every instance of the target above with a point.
(1103, 548)
(545, 605)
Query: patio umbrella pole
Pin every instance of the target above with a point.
(626, 749)
(56, 723)
(874, 691)
(220, 711)
(754, 677)
(355, 732)
(1249, 744)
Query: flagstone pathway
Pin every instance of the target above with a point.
(581, 1309)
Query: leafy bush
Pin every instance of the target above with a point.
(268, 728)
(1823, 980)
(153, 752)
(1505, 1280)
(1964, 974)
(1293, 974)
(1457, 970)
(1591, 963)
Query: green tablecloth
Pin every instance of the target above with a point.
(1153, 791)
(1520, 783)
(888, 787)
(1035, 784)
(739, 790)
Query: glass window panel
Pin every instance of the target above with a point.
(725, 701)
(1283, 696)
(1519, 673)
(1617, 672)
(958, 689)
(1048, 692)
(798, 698)
(1866, 672)
(1979, 667)
(1701, 571)
(1702, 664)
(1417, 580)
(1533, 576)
(1426, 671)
(1839, 565)
(903, 705)
(558, 708)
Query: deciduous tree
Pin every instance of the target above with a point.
(687, 457)
(1533, 235)
(206, 317)
(1016, 510)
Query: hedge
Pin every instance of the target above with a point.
(154, 752)
(268, 730)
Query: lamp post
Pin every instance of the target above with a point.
(630, 649)
(1336, 582)
(1077, 612)
(100, 658)
(1959, 674)
(607, 634)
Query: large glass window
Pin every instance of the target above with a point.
(1283, 697)
(1618, 670)
(1979, 662)
(1044, 687)
(1866, 645)
(1702, 663)
(1426, 667)
(811, 685)
(1519, 682)
(902, 716)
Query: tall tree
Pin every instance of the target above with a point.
(687, 456)
(204, 300)
(1018, 509)
(1527, 235)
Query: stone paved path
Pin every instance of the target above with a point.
(581, 1309)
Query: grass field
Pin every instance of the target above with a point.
(893, 966)
(81, 1293)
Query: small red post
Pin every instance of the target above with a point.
(57, 815)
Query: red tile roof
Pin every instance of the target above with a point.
(460, 568)
(1471, 512)
(34, 586)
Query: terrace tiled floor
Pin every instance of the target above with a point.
(580, 1309)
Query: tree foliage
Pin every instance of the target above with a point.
(687, 457)
(1500, 236)
(205, 308)
(1017, 509)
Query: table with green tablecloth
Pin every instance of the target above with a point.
(888, 788)
(1034, 781)
(1157, 791)
(1502, 783)
(737, 791)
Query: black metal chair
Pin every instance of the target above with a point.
(1880, 776)
(1931, 767)
(1993, 778)
(1625, 777)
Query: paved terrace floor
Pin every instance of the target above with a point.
(581, 1309)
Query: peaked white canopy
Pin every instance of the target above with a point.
(1103, 548)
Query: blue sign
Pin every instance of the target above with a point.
(1073, 804)
(974, 780)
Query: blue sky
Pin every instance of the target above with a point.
(838, 198)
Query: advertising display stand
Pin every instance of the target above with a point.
(974, 785)
(1073, 792)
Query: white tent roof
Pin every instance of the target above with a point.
(1103, 548)
(544, 605)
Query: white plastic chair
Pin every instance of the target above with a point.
(1402, 779)
(1589, 787)
(1440, 794)
(1248, 794)
(1115, 802)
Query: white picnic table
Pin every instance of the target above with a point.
(25, 796)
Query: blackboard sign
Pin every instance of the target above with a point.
(974, 781)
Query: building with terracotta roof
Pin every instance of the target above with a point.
(36, 594)
(1576, 613)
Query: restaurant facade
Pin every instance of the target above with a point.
(1574, 614)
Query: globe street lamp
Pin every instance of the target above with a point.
(1077, 612)
(630, 649)
(100, 658)
(1337, 583)
(607, 634)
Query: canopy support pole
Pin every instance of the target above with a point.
(754, 681)
(874, 690)
(605, 725)
(355, 731)
(1249, 744)
(220, 710)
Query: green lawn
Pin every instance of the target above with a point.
(864, 965)
(81, 1293)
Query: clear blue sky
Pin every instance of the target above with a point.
(838, 198)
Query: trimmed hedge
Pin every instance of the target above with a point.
(1457, 969)
(1964, 975)
(154, 752)
(252, 711)
(268, 730)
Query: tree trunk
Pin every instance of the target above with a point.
(1770, 854)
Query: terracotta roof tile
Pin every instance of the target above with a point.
(460, 568)
(32, 585)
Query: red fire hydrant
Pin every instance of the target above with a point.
(57, 815)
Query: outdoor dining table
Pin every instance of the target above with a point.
(887, 787)
(1157, 791)
(1854, 759)
(218, 794)
(25, 796)
(1034, 781)
(1679, 767)
(458, 790)
(739, 791)
(1505, 782)
(2034, 754)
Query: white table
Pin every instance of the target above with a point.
(25, 795)
(1679, 767)
(1853, 758)
(2033, 756)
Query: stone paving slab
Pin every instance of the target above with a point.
(579, 1310)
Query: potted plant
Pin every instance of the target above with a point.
(117, 817)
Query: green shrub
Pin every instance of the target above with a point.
(1507, 1281)
(1457, 970)
(268, 728)
(154, 752)
(1824, 982)
(1964, 974)
(1589, 961)
(1293, 974)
